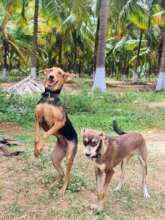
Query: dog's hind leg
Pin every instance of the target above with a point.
(70, 154)
(143, 161)
(57, 155)
(121, 181)
(36, 131)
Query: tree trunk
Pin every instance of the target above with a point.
(34, 42)
(161, 79)
(96, 42)
(5, 65)
(99, 81)
(135, 74)
(59, 44)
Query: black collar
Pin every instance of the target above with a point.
(49, 93)
(98, 156)
(98, 151)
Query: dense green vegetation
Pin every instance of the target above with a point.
(131, 109)
(67, 35)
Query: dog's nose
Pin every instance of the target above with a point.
(51, 77)
(87, 154)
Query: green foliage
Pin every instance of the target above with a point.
(131, 109)
(77, 182)
(16, 108)
(67, 28)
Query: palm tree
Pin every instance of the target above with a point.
(7, 34)
(99, 81)
(161, 80)
(34, 42)
(135, 73)
(141, 14)
(5, 55)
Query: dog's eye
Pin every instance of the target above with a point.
(85, 141)
(59, 73)
(94, 142)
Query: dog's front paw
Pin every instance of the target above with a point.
(37, 152)
(36, 142)
(62, 192)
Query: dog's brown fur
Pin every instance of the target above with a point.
(51, 117)
(109, 152)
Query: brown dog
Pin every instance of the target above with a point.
(108, 152)
(51, 117)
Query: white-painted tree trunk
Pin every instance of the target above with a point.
(124, 77)
(161, 82)
(135, 76)
(161, 79)
(144, 77)
(4, 73)
(99, 79)
(34, 72)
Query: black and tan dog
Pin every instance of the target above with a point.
(51, 117)
(107, 152)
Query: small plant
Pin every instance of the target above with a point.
(48, 178)
(77, 183)
(15, 208)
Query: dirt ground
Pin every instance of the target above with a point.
(21, 187)
(113, 85)
(26, 190)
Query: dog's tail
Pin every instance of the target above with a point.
(117, 129)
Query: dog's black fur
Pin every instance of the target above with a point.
(68, 131)
(117, 129)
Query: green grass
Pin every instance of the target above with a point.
(131, 109)
(29, 186)
(33, 189)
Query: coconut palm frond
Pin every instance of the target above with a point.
(144, 52)
(17, 50)
(158, 19)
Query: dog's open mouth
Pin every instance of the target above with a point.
(51, 82)
(95, 156)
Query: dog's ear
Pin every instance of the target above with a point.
(82, 132)
(103, 135)
(46, 71)
(68, 76)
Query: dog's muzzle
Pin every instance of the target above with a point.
(87, 155)
(51, 79)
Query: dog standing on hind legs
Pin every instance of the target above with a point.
(51, 117)
(107, 152)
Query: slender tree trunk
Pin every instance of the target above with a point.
(59, 45)
(75, 51)
(161, 79)
(5, 65)
(135, 74)
(96, 42)
(99, 81)
(34, 42)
